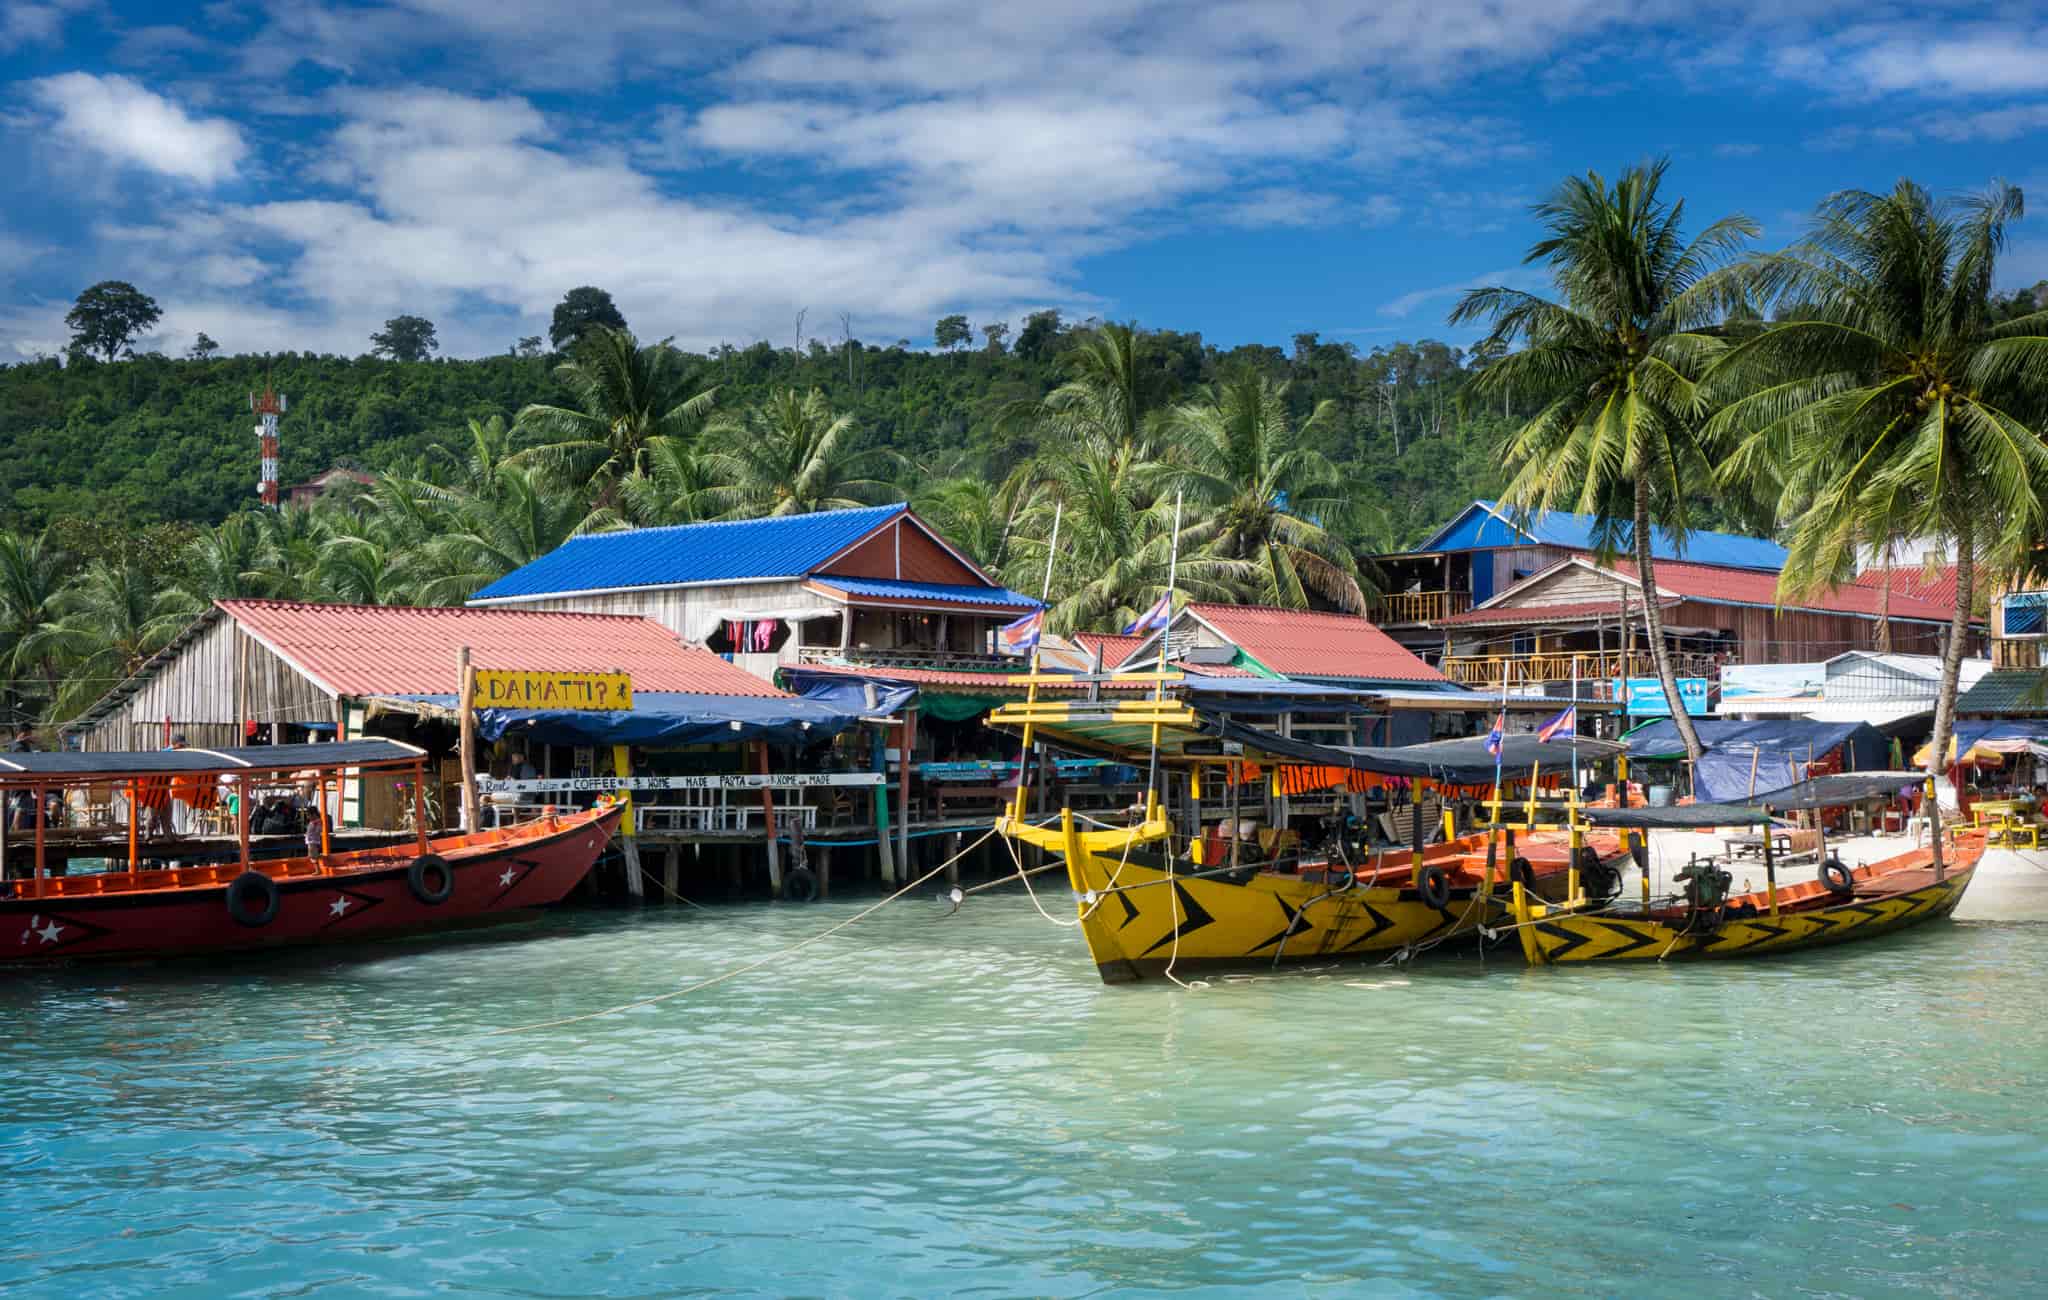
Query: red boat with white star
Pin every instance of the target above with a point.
(157, 884)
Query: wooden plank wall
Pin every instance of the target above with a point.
(196, 691)
(1766, 636)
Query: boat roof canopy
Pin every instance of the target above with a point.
(1816, 792)
(78, 765)
(1679, 817)
(1846, 787)
(1124, 729)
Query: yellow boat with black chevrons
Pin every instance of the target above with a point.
(1706, 922)
(1154, 897)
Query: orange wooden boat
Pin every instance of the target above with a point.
(147, 907)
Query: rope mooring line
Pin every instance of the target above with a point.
(672, 994)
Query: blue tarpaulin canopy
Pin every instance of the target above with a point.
(1970, 734)
(848, 693)
(1770, 753)
(665, 719)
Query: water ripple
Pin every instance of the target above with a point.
(932, 1105)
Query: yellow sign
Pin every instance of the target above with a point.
(502, 688)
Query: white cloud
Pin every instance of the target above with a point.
(1380, 210)
(125, 121)
(1934, 58)
(1516, 277)
(1736, 149)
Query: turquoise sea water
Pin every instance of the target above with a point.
(931, 1105)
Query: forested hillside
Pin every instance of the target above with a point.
(155, 439)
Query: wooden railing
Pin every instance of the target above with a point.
(1591, 665)
(944, 660)
(1422, 606)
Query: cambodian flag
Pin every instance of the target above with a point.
(1154, 618)
(1497, 738)
(1021, 637)
(1564, 724)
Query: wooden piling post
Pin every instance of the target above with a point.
(824, 872)
(465, 708)
(629, 841)
(903, 791)
(671, 869)
(768, 822)
(885, 847)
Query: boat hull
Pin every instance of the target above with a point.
(1561, 939)
(1141, 919)
(343, 898)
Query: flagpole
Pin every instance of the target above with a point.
(1051, 554)
(1165, 636)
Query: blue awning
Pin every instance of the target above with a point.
(666, 719)
(849, 693)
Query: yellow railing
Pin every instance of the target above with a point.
(1523, 670)
(1422, 606)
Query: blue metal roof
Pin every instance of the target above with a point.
(898, 589)
(1483, 526)
(788, 546)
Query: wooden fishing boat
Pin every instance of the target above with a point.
(151, 908)
(1707, 921)
(1159, 893)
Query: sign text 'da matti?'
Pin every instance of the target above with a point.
(511, 688)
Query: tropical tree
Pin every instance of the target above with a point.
(1107, 399)
(227, 561)
(117, 613)
(405, 338)
(1613, 367)
(975, 514)
(526, 515)
(791, 455)
(33, 570)
(675, 486)
(107, 318)
(474, 465)
(1257, 494)
(1891, 402)
(1116, 545)
(581, 310)
(625, 395)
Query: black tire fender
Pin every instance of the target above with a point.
(1521, 873)
(422, 875)
(1838, 878)
(1434, 884)
(800, 885)
(253, 899)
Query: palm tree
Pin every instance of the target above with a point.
(626, 395)
(227, 561)
(975, 514)
(1889, 404)
(674, 487)
(1106, 399)
(1614, 368)
(475, 464)
(33, 570)
(1116, 545)
(1261, 496)
(116, 614)
(790, 456)
(526, 515)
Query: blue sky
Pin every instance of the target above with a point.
(287, 175)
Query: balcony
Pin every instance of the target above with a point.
(1422, 606)
(953, 661)
(1488, 671)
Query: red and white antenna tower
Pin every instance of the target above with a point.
(267, 405)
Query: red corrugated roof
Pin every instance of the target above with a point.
(394, 650)
(1912, 580)
(1115, 648)
(1709, 582)
(1300, 643)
